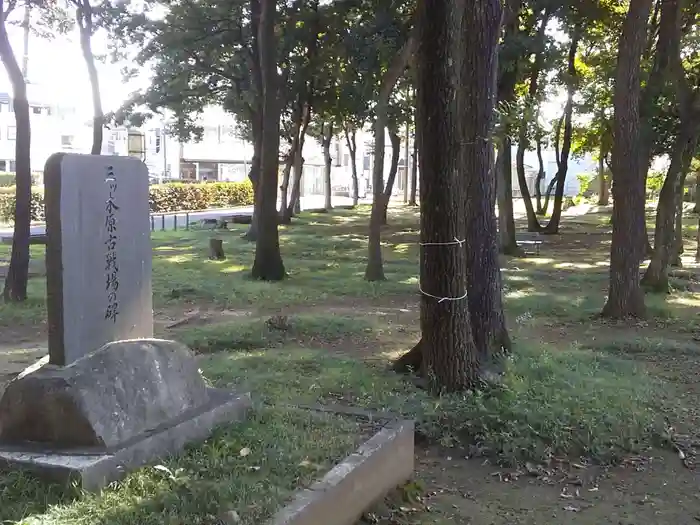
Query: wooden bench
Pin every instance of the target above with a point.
(37, 238)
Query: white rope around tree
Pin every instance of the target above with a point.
(455, 242)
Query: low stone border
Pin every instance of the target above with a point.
(341, 497)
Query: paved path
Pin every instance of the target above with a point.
(310, 202)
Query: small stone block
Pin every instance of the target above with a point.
(382, 463)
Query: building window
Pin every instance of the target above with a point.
(67, 141)
(36, 110)
(3, 165)
(12, 166)
(11, 133)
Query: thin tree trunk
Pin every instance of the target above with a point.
(83, 15)
(504, 189)
(406, 161)
(413, 199)
(254, 174)
(289, 161)
(625, 296)
(352, 149)
(328, 163)
(293, 205)
(603, 191)
(533, 224)
(18, 273)
(667, 239)
(375, 264)
(665, 244)
(393, 169)
(678, 248)
(268, 263)
(563, 165)
(697, 242)
(541, 174)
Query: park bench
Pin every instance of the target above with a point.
(36, 238)
(529, 240)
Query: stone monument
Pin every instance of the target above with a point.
(110, 397)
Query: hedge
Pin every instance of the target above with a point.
(175, 196)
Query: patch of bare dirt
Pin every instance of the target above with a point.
(654, 489)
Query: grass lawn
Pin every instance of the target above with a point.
(580, 394)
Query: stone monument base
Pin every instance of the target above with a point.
(120, 407)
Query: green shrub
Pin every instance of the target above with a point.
(179, 196)
(7, 204)
(175, 196)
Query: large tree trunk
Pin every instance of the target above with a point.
(393, 170)
(504, 189)
(83, 15)
(475, 101)
(449, 355)
(352, 149)
(375, 264)
(18, 273)
(327, 166)
(268, 263)
(625, 297)
(563, 166)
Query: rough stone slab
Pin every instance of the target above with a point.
(103, 399)
(95, 471)
(98, 253)
(380, 464)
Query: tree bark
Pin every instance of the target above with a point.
(83, 15)
(256, 122)
(393, 170)
(352, 149)
(563, 164)
(375, 264)
(449, 355)
(328, 165)
(625, 297)
(475, 103)
(15, 289)
(678, 248)
(504, 189)
(268, 265)
(508, 79)
(254, 174)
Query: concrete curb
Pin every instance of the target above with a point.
(343, 494)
